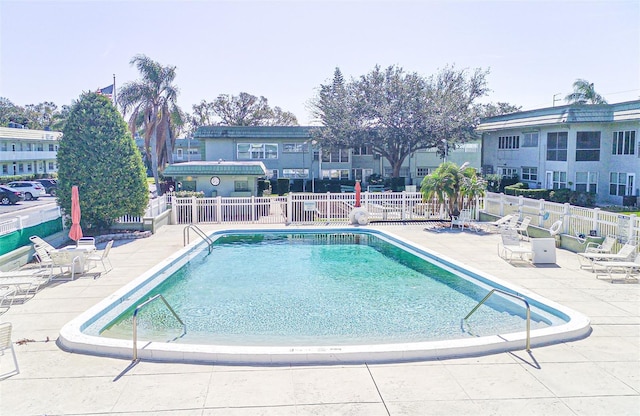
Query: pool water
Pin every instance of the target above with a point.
(319, 289)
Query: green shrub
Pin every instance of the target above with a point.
(283, 186)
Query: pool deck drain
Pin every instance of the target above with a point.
(596, 375)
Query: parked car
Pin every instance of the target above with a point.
(10, 195)
(30, 189)
(50, 185)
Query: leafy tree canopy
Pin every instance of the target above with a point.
(584, 93)
(98, 154)
(454, 186)
(43, 116)
(398, 113)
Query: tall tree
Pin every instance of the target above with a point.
(584, 93)
(98, 154)
(398, 113)
(453, 186)
(248, 110)
(152, 101)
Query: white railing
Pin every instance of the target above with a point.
(306, 208)
(28, 218)
(575, 220)
(156, 207)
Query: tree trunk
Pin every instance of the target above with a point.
(154, 150)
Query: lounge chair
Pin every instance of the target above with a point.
(39, 241)
(500, 221)
(7, 344)
(523, 227)
(512, 224)
(464, 219)
(102, 257)
(42, 255)
(605, 247)
(510, 245)
(25, 281)
(628, 267)
(6, 295)
(625, 254)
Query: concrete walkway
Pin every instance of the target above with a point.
(599, 375)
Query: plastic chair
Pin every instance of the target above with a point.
(102, 257)
(6, 344)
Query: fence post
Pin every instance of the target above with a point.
(403, 216)
(289, 208)
(174, 211)
(502, 204)
(254, 208)
(194, 210)
(566, 215)
(219, 209)
(541, 212)
(520, 207)
(596, 220)
(631, 231)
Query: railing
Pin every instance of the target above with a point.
(27, 218)
(185, 235)
(528, 341)
(135, 321)
(156, 207)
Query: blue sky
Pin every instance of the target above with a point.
(55, 50)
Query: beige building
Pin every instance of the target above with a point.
(26, 152)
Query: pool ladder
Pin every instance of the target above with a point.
(528, 346)
(135, 321)
(205, 237)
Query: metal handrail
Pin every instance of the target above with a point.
(185, 235)
(528, 346)
(135, 321)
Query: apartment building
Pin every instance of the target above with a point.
(24, 151)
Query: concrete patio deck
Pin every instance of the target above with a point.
(598, 375)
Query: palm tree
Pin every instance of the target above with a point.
(152, 101)
(584, 93)
(452, 185)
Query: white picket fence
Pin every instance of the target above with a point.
(156, 207)
(27, 218)
(575, 220)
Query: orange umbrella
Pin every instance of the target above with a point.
(358, 190)
(75, 233)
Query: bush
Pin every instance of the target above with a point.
(189, 194)
(283, 186)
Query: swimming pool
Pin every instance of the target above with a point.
(386, 317)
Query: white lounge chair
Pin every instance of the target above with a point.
(6, 295)
(102, 257)
(39, 241)
(589, 259)
(7, 344)
(628, 267)
(500, 221)
(25, 281)
(523, 227)
(605, 247)
(464, 219)
(511, 245)
(512, 224)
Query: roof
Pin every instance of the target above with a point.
(216, 168)
(28, 134)
(585, 113)
(253, 132)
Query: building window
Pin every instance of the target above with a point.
(40, 147)
(508, 172)
(295, 147)
(295, 173)
(588, 146)
(274, 174)
(247, 151)
(361, 174)
(336, 156)
(587, 181)
(29, 167)
(508, 142)
(20, 167)
(529, 174)
(362, 150)
(558, 180)
(624, 142)
(557, 146)
(51, 166)
(621, 183)
(530, 139)
(179, 154)
(423, 171)
(241, 186)
(335, 173)
(5, 169)
(51, 147)
(28, 147)
(388, 172)
(3, 146)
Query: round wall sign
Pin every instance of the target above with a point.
(215, 181)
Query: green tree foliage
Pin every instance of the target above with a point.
(248, 110)
(398, 113)
(584, 93)
(98, 154)
(153, 104)
(43, 116)
(453, 186)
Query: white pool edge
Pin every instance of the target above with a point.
(72, 339)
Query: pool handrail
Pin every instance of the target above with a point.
(528, 345)
(135, 321)
(205, 237)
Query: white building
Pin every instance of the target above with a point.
(591, 148)
(27, 152)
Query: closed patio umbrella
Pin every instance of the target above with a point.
(358, 189)
(75, 233)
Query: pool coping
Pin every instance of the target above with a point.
(72, 338)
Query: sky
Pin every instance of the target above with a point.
(284, 50)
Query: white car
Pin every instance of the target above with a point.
(30, 190)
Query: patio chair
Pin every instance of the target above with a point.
(511, 245)
(6, 295)
(88, 242)
(37, 240)
(464, 219)
(102, 257)
(65, 259)
(605, 247)
(523, 227)
(512, 224)
(25, 281)
(42, 255)
(500, 221)
(7, 344)
(628, 267)
(589, 259)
